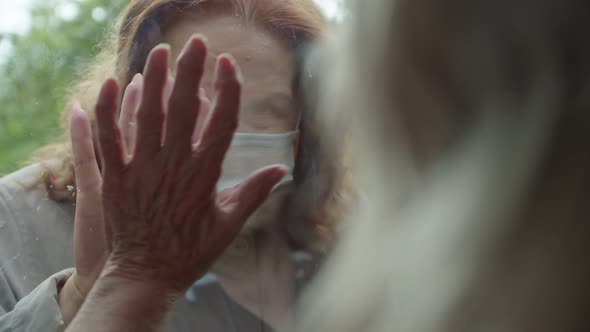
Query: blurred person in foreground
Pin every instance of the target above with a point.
(51, 212)
(475, 160)
(474, 148)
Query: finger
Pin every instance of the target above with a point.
(222, 123)
(166, 97)
(88, 228)
(109, 135)
(204, 110)
(184, 101)
(150, 115)
(245, 199)
(85, 166)
(129, 108)
(168, 89)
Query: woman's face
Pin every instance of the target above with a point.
(267, 65)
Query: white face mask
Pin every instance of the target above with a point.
(251, 152)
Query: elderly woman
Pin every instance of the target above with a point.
(255, 282)
(477, 221)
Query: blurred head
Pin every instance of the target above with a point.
(268, 38)
(474, 149)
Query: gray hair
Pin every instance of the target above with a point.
(475, 124)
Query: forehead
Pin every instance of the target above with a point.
(266, 62)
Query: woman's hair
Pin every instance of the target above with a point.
(298, 23)
(475, 131)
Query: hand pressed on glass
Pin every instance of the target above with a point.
(164, 222)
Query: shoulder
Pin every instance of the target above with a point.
(21, 177)
(16, 189)
(23, 189)
(35, 231)
(19, 191)
(23, 199)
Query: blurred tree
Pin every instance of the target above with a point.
(43, 62)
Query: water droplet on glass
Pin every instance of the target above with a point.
(36, 239)
(25, 277)
(70, 188)
(2, 223)
(38, 208)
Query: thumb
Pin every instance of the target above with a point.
(243, 200)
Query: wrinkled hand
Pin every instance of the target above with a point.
(90, 246)
(165, 223)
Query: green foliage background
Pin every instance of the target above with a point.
(37, 73)
(43, 63)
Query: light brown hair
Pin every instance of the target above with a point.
(299, 23)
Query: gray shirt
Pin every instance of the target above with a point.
(36, 254)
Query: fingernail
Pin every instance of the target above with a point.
(76, 111)
(136, 78)
(201, 37)
(159, 56)
(132, 84)
(163, 46)
(225, 68)
(197, 44)
(279, 172)
(75, 106)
